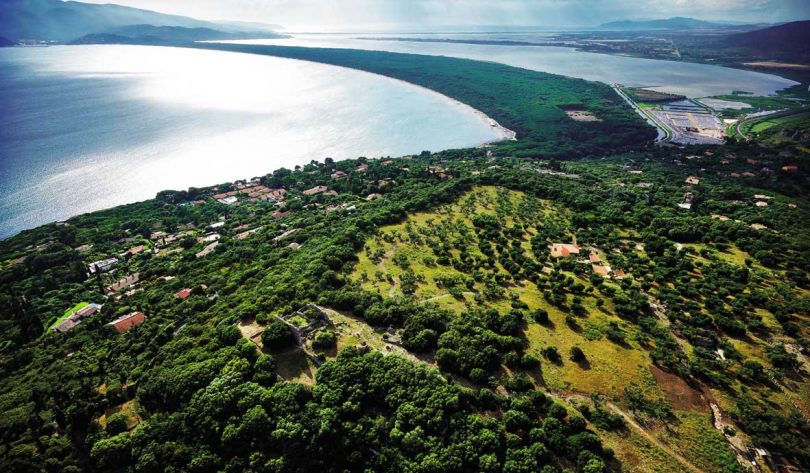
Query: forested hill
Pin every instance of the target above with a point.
(528, 102)
(788, 40)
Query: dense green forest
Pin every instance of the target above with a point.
(455, 340)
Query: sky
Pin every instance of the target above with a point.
(356, 15)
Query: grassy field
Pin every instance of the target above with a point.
(406, 250)
(610, 367)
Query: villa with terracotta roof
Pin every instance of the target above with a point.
(127, 321)
(594, 257)
(183, 294)
(315, 190)
(563, 250)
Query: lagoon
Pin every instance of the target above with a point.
(690, 79)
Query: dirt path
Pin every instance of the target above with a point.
(637, 427)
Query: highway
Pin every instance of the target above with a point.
(664, 133)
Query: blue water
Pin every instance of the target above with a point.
(84, 128)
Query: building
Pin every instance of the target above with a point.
(229, 200)
(563, 250)
(208, 249)
(790, 168)
(278, 215)
(603, 271)
(76, 317)
(338, 175)
(127, 321)
(594, 257)
(103, 265)
(183, 294)
(123, 283)
(692, 180)
(761, 204)
(373, 196)
(315, 190)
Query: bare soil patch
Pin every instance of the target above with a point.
(678, 392)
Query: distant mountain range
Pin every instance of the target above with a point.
(4, 42)
(149, 34)
(675, 23)
(56, 20)
(788, 38)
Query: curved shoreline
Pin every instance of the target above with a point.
(505, 134)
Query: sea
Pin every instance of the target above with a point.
(83, 128)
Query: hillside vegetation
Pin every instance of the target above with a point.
(419, 314)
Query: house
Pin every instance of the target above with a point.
(594, 257)
(76, 317)
(761, 204)
(762, 197)
(685, 205)
(692, 180)
(563, 250)
(751, 161)
(748, 174)
(230, 200)
(136, 249)
(127, 321)
(373, 196)
(209, 238)
(208, 249)
(215, 225)
(122, 283)
(338, 175)
(603, 271)
(247, 233)
(790, 168)
(183, 294)
(278, 215)
(103, 265)
(644, 185)
(315, 190)
(362, 167)
(758, 226)
(294, 246)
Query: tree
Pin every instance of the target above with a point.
(277, 336)
(577, 355)
(324, 340)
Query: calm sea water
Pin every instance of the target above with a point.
(690, 79)
(89, 127)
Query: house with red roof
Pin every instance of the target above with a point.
(127, 321)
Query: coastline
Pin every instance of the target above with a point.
(501, 134)
(505, 134)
